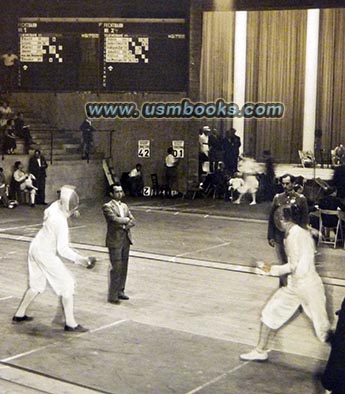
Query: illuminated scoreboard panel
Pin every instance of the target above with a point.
(140, 55)
(126, 49)
(144, 56)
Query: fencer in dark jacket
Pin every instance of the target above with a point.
(118, 240)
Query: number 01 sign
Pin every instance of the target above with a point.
(178, 147)
(144, 148)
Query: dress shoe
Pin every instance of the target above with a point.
(78, 328)
(123, 296)
(116, 302)
(20, 319)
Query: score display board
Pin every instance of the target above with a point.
(106, 55)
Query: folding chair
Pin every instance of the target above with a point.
(157, 189)
(307, 158)
(330, 221)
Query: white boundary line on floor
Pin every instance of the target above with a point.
(19, 227)
(6, 360)
(6, 298)
(193, 212)
(68, 336)
(178, 259)
(108, 326)
(223, 375)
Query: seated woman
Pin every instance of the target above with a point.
(24, 181)
(22, 130)
(5, 114)
(9, 138)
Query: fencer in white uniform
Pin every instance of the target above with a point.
(304, 288)
(44, 261)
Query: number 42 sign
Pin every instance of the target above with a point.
(144, 148)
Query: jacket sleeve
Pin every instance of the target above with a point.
(44, 162)
(279, 270)
(132, 222)
(111, 216)
(62, 241)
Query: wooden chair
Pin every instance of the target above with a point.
(307, 158)
(330, 221)
(157, 189)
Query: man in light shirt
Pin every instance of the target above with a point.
(10, 61)
(171, 163)
(118, 240)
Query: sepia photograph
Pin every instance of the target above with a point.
(172, 197)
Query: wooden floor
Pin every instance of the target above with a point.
(189, 321)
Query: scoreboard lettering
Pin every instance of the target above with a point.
(105, 55)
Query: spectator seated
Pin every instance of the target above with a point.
(135, 181)
(22, 184)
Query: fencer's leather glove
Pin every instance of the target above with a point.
(87, 262)
(91, 262)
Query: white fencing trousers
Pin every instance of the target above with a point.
(46, 266)
(310, 294)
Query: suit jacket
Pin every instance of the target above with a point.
(34, 168)
(117, 230)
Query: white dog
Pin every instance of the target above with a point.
(249, 169)
(28, 183)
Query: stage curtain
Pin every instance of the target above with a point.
(216, 70)
(330, 115)
(276, 43)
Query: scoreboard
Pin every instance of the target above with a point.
(108, 54)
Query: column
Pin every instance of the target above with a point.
(311, 79)
(240, 54)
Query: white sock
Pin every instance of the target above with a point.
(68, 304)
(26, 301)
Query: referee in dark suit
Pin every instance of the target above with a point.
(118, 240)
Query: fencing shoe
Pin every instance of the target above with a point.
(254, 355)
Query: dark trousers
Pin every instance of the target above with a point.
(171, 178)
(41, 185)
(118, 271)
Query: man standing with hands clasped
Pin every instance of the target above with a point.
(38, 166)
(118, 240)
